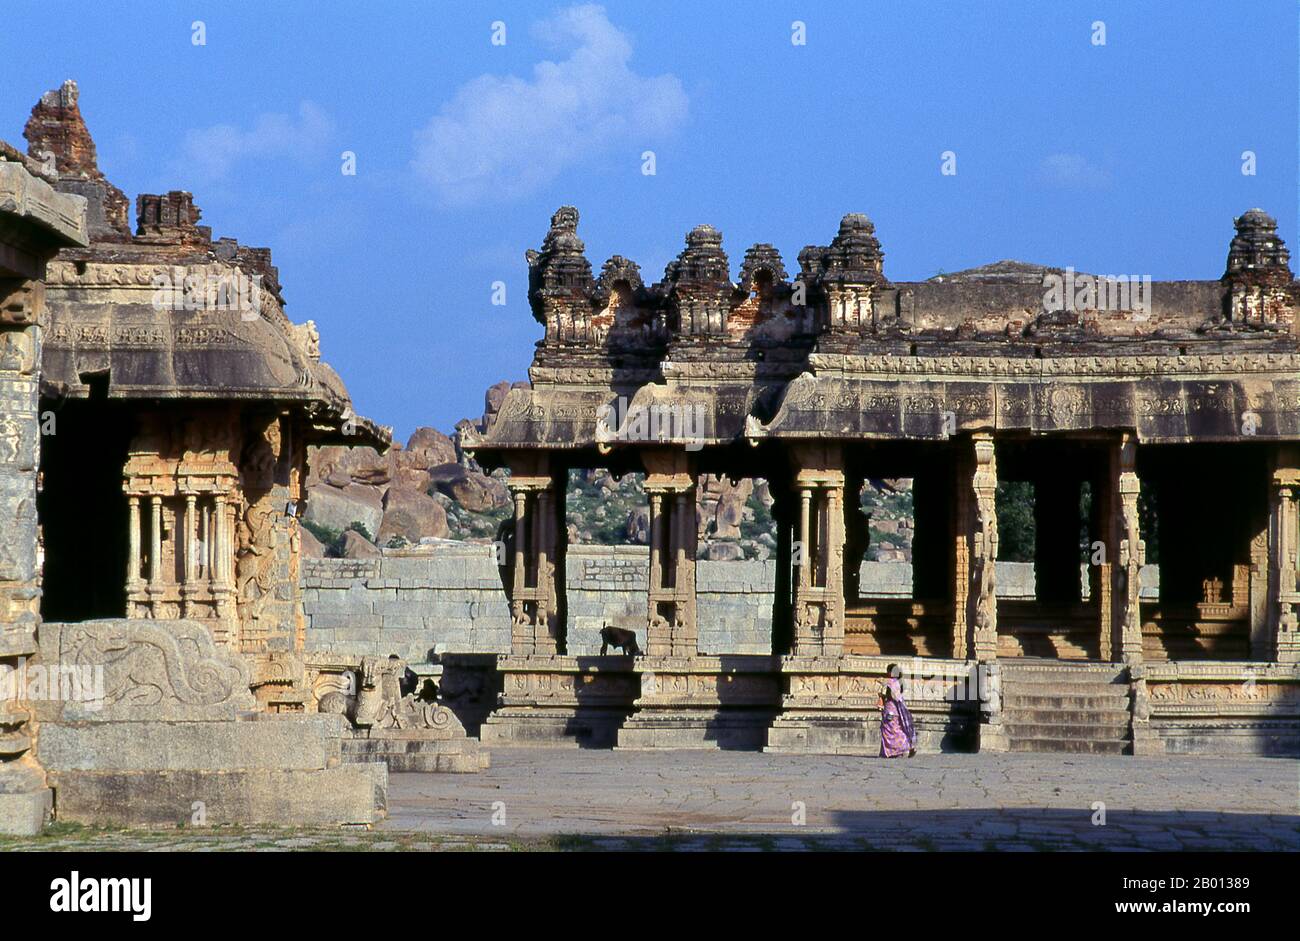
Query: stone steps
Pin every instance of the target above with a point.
(1100, 719)
(1085, 701)
(1084, 746)
(1068, 708)
(457, 756)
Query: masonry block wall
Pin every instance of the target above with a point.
(450, 599)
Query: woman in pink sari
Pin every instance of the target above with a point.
(897, 733)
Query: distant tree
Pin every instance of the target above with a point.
(1015, 508)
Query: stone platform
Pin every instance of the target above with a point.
(173, 732)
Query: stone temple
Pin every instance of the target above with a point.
(164, 642)
(158, 410)
(1186, 391)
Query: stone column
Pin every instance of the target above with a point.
(1283, 538)
(960, 588)
(534, 602)
(685, 636)
(133, 544)
(1131, 555)
(1101, 571)
(521, 632)
(35, 222)
(155, 552)
(25, 801)
(671, 629)
(190, 559)
(806, 540)
(819, 592)
(222, 577)
(982, 612)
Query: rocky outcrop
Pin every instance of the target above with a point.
(334, 509)
(353, 545)
(411, 515)
(470, 488)
(424, 490)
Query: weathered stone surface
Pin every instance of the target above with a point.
(151, 669)
(338, 508)
(285, 743)
(348, 794)
(411, 515)
(356, 546)
(358, 465)
(471, 489)
(431, 447)
(312, 548)
(24, 813)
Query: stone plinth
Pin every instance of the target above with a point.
(1224, 708)
(703, 702)
(161, 728)
(559, 700)
(348, 794)
(831, 705)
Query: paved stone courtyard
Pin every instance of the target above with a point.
(560, 799)
(619, 799)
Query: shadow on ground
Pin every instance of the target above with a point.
(987, 830)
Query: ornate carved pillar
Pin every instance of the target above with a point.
(534, 604)
(819, 591)
(671, 627)
(685, 628)
(962, 512)
(1131, 556)
(222, 576)
(1101, 571)
(1283, 538)
(982, 612)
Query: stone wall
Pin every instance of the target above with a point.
(450, 599)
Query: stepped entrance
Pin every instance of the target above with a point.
(1052, 706)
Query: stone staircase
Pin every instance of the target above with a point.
(1055, 706)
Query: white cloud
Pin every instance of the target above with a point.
(213, 151)
(1072, 170)
(502, 136)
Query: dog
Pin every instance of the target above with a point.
(618, 637)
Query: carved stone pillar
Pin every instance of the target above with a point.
(1131, 555)
(133, 544)
(819, 591)
(190, 558)
(685, 627)
(534, 603)
(671, 627)
(35, 222)
(155, 550)
(961, 561)
(223, 569)
(1101, 569)
(1283, 538)
(982, 610)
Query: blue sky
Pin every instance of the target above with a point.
(1122, 158)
